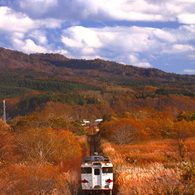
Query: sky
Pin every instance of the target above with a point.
(144, 33)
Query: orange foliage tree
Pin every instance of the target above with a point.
(47, 145)
(52, 115)
(7, 144)
(121, 131)
(33, 160)
(152, 128)
(182, 131)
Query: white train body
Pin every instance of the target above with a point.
(97, 175)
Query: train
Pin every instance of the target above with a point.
(96, 175)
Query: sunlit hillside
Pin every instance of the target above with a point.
(51, 106)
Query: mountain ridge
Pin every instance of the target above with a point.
(62, 66)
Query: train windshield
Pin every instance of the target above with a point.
(86, 170)
(107, 170)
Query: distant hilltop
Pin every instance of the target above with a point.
(62, 66)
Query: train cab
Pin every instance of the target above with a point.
(96, 175)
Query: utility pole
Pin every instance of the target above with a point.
(4, 111)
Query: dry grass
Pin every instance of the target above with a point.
(32, 180)
(151, 168)
(155, 179)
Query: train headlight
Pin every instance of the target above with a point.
(106, 163)
(86, 164)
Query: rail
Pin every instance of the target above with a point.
(94, 143)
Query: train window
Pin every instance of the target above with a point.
(107, 169)
(97, 159)
(96, 163)
(106, 159)
(86, 170)
(96, 171)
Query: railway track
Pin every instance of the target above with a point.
(94, 143)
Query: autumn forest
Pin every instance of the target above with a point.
(148, 127)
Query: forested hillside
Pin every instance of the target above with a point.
(148, 126)
(60, 67)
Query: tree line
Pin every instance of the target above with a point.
(174, 91)
(29, 103)
(10, 86)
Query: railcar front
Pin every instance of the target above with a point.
(96, 175)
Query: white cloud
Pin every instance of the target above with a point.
(138, 46)
(15, 22)
(60, 51)
(88, 50)
(179, 48)
(139, 10)
(18, 29)
(19, 24)
(50, 23)
(165, 36)
(143, 64)
(192, 57)
(82, 36)
(86, 40)
(186, 1)
(183, 48)
(71, 42)
(186, 18)
(104, 10)
(189, 71)
(39, 36)
(18, 35)
(125, 40)
(134, 59)
(36, 26)
(37, 6)
(91, 57)
(28, 46)
(136, 10)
